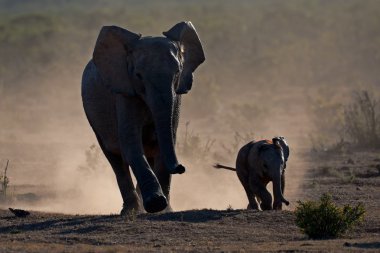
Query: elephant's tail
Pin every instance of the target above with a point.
(220, 166)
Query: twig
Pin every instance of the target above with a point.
(6, 168)
(5, 181)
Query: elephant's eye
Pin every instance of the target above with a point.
(139, 76)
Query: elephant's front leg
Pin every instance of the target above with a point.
(130, 114)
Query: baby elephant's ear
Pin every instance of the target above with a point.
(276, 142)
(284, 145)
(110, 58)
(185, 33)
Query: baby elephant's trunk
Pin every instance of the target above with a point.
(277, 204)
(278, 197)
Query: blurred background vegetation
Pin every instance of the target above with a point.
(267, 42)
(253, 49)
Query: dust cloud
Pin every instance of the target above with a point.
(272, 68)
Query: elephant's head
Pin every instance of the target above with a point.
(273, 157)
(284, 145)
(156, 69)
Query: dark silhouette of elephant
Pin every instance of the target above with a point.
(131, 91)
(259, 163)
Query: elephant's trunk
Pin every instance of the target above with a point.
(277, 192)
(162, 111)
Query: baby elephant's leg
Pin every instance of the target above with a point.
(266, 199)
(251, 197)
(260, 190)
(244, 180)
(252, 200)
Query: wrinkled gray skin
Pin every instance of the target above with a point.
(259, 163)
(131, 91)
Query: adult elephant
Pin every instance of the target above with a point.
(131, 91)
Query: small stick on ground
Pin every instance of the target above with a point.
(5, 181)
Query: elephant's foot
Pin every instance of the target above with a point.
(252, 207)
(277, 205)
(265, 206)
(154, 199)
(168, 209)
(128, 210)
(155, 203)
(178, 170)
(131, 205)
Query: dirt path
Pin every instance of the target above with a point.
(349, 178)
(203, 230)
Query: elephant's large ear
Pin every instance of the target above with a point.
(110, 58)
(186, 34)
(284, 145)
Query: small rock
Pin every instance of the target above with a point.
(347, 244)
(19, 212)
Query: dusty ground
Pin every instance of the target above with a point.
(350, 178)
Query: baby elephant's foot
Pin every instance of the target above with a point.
(252, 207)
(265, 207)
(277, 206)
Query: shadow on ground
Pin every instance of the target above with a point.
(194, 216)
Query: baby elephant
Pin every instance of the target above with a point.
(257, 164)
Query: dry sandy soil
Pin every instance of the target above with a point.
(350, 178)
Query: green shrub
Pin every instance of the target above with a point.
(323, 219)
